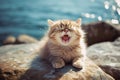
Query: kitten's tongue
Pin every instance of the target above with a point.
(65, 38)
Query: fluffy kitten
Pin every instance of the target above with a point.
(64, 43)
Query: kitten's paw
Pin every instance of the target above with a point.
(77, 63)
(58, 63)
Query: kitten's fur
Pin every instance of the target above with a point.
(64, 43)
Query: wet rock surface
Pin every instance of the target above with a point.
(21, 62)
(107, 55)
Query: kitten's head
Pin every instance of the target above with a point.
(65, 32)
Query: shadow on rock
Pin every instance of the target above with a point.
(42, 70)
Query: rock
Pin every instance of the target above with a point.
(116, 26)
(22, 62)
(9, 40)
(26, 39)
(19, 40)
(107, 55)
(100, 32)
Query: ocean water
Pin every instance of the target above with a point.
(30, 16)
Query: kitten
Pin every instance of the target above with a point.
(64, 43)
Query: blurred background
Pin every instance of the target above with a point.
(30, 16)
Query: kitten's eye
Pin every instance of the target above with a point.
(61, 30)
(70, 29)
(54, 30)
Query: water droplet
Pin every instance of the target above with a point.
(99, 18)
(92, 15)
(113, 7)
(114, 21)
(87, 15)
(106, 5)
(118, 2)
(118, 10)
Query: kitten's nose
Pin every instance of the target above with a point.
(66, 30)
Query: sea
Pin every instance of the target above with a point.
(30, 16)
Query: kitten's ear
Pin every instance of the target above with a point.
(79, 21)
(50, 22)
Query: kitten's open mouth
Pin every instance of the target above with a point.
(65, 38)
